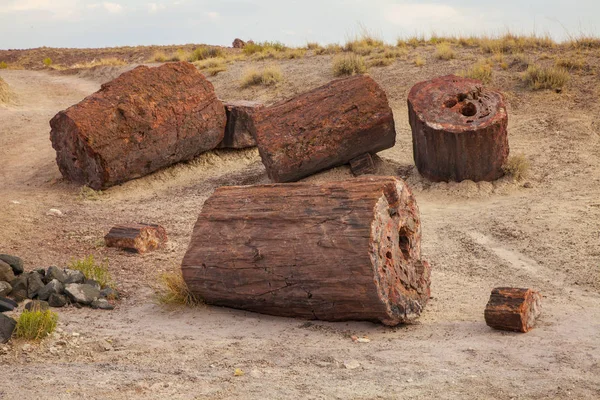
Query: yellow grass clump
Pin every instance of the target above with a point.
(205, 52)
(333, 48)
(47, 61)
(571, 63)
(443, 51)
(5, 94)
(212, 66)
(349, 64)
(517, 167)
(537, 77)
(173, 290)
(35, 324)
(482, 71)
(3, 65)
(268, 76)
(112, 61)
(252, 48)
(419, 61)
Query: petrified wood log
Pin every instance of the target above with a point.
(146, 119)
(512, 309)
(323, 128)
(458, 129)
(137, 238)
(348, 250)
(362, 165)
(237, 130)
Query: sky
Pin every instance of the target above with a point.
(95, 23)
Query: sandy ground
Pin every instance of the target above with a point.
(477, 236)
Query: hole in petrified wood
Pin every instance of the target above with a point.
(468, 109)
(404, 242)
(388, 255)
(450, 103)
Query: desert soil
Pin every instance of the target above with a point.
(544, 234)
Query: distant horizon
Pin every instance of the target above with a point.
(26, 24)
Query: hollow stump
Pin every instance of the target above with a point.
(458, 129)
(348, 250)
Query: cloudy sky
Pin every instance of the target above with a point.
(96, 23)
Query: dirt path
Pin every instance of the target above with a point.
(476, 236)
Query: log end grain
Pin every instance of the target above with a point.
(362, 165)
(136, 238)
(237, 130)
(513, 309)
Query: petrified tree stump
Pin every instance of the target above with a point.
(512, 309)
(237, 130)
(144, 120)
(348, 250)
(323, 128)
(459, 129)
(362, 165)
(137, 238)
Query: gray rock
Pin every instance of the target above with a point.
(81, 293)
(19, 283)
(6, 272)
(37, 305)
(15, 262)
(54, 286)
(6, 304)
(93, 283)
(109, 293)
(5, 289)
(34, 284)
(19, 295)
(102, 304)
(55, 273)
(73, 276)
(42, 272)
(7, 327)
(57, 300)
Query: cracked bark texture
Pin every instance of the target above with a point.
(348, 250)
(144, 120)
(323, 128)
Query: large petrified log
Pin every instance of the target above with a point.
(512, 309)
(346, 250)
(237, 130)
(136, 238)
(325, 127)
(459, 129)
(146, 119)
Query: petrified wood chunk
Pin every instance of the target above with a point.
(348, 250)
(138, 238)
(238, 43)
(512, 309)
(146, 119)
(323, 128)
(237, 130)
(458, 129)
(362, 165)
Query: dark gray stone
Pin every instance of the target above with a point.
(5, 288)
(55, 273)
(73, 276)
(7, 327)
(93, 283)
(6, 305)
(34, 284)
(6, 299)
(81, 293)
(19, 283)
(109, 293)
(57, 300)
(15, 262)
(19, 295)
(54, 286)
(37, 305)
(102, 304)
(6, 272)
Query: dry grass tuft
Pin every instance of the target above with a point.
(313, 46)
(173, 290)
(36, 324)
(112, 61)
(3, 65)
(517, 166)
(5, 93)
(252, 48)
(47, 61)
(349, 64)
(419, 61)
(205, 52)
(268, 76)
(212, 66)
(482, 71)
(571, 63)
(537, 77)
(92, 270)
(333, 48)
(443, 51)
(159, 56)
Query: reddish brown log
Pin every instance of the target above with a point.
(237, 130)
(362, 165)
(146, 119)
(512, 309)
(137, 238)
(238, 43)
(348, 250)
(323, 128)
(458, 129)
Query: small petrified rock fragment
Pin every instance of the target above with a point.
(7, 327)
(323, 128)
(137, 238)
(512, 309)
(362, 165)
(144, 120)
(237, 130)
(458, 129)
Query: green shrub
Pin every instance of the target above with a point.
(92, 270)
(47, 61)
(267, 77)
(3, 65)
(36, 324)
(537, 77)
(173, 290)
(349, 64)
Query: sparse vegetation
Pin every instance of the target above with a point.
(333, 48)
(103, 61)
(419, 61)
(205, 52)
(179, 55)
(36, 324)
(537, 77)
(5, 94)
(173, 290)
(482, 71)
(47, 61)
(159, 56)
(252, 48)
(571, 63)
(93, 270)
(87, 193)
(313, 46)
(517, 166)
(268, 76)
(212, 66)
(443, 51)
(349, 64)
(364, 43)
(3, 65)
